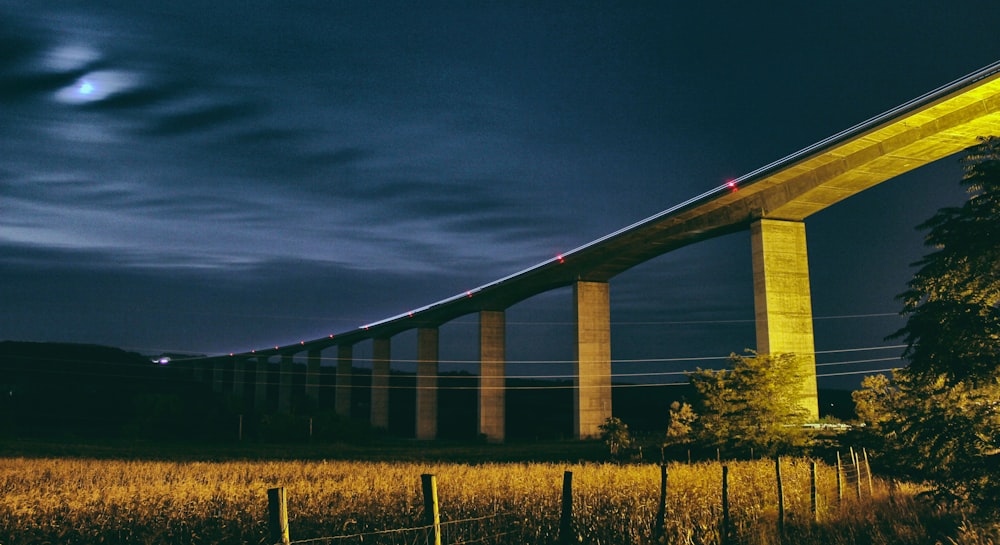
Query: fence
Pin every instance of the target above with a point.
(852, 480)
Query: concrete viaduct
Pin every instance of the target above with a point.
(771, 202)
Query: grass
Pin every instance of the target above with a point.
(100, 499)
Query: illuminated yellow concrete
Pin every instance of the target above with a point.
(937, 131)
(381, 354)
(427, 371)
(781, 296)
(345, 361)
(592, 392)
(796, 189)
(492, 358)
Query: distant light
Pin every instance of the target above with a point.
(561, 258)
(731, 184)
(230, 354)
(85, 88)
(303, 343)
(468, 294)
(162, 361)
(331, 335)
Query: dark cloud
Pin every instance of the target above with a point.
(202, 118)
(216, 176)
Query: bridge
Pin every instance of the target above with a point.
(772, 202)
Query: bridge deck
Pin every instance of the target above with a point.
(931, 127)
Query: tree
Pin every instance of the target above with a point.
(615, 434)
(947, 434)
(757, 404)
(681, 417)
(875, 401)
(940, 420)
(952, 303)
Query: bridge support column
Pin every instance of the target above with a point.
(345, 357)
(285, 384)
(381, 353)
(492, 358)
(782, 303)
(427, 371)
(314, 361)
(260, 386)
(592, 392)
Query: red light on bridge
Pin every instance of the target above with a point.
(731, 184)
(560, 258)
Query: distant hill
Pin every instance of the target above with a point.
(80, 389)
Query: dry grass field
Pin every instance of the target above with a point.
(90, 501)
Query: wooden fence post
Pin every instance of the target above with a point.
(725, 504)
(432, 516)
(566, 520)
(661, 513)
(781, 495)
(840, 480)
(857, 472)
(277, 510)
(813, 500)
(868, 470)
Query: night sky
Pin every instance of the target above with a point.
(213, 177)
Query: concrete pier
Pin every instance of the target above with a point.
(782, 301)
(345, 362)
(260, 386)
(285, 383)
(381, 354)
(492, 360)
(218, 375)
(427, 372)
(314, 362)
(592, 393)
(239, 376)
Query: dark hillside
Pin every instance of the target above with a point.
(88, 390)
